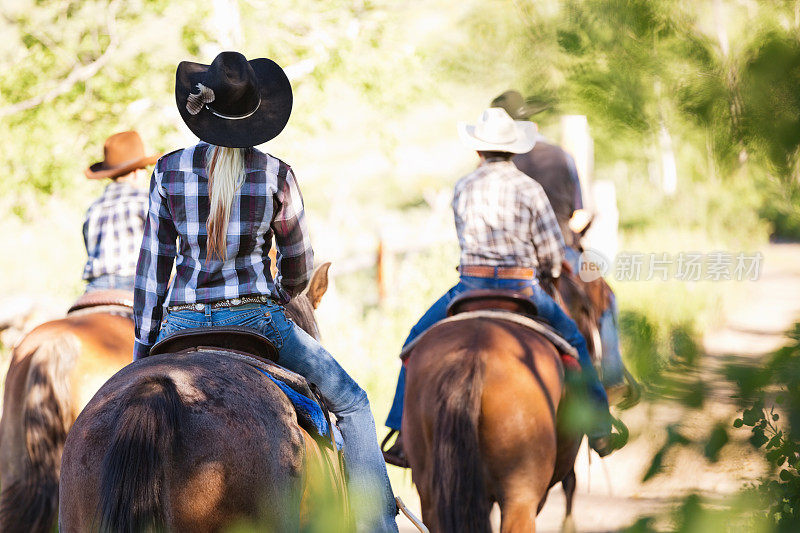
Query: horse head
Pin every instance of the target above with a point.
(301, 308)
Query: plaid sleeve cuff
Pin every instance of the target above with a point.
(140, 350)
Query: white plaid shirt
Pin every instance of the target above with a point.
(268, 203)
(113, 230)
(503, 218)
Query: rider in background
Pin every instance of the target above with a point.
(215, 207)
(114, 222)
(509, 239)
(555, 170)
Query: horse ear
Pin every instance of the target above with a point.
(318, 284)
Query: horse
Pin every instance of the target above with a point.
(481, 422)
(54, 371)
(195, 442)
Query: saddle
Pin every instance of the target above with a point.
(103, 300)
(504, 300)
(508, 305)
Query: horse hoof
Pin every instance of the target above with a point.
(568, 526)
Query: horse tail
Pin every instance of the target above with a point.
(459, 488)
(145, 439)
(30, 503)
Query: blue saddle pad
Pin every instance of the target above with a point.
(308, 411)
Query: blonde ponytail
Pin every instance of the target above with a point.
(225, 170)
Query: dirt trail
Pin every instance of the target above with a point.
(753, 326)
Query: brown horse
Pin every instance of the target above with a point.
(481, 421)
(54, 371)
(481, 424)
(195, 442)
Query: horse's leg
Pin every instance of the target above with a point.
(518, 516)
(568, 484)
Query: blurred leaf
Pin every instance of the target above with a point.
(717, 439)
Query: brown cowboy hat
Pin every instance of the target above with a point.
(123, 153)
(233, 102)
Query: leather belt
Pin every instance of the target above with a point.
(479, 271)
(233, 302)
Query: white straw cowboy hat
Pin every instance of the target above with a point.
(498, 132)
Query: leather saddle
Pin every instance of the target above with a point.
(511, 302)
(234, 338)
(499, 299)
(103, 298)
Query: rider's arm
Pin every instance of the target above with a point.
(156, 258)
(577, 201)
(547, 236)
(295, 257)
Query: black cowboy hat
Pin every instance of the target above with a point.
(233, 102)
(517, 107)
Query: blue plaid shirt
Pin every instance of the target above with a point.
(113, 230)
(503, 218)
(268, 203)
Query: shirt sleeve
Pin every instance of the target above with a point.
(294, 257)
(547, 236)
(156, 257)
(577, 202)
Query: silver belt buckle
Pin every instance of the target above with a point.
(199, 307)
(235, 301)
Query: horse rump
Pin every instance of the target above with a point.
(145, 438)
(29, 502)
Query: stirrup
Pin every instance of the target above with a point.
(388, 436)
(395, 454)
(620, 437)
(633, 394)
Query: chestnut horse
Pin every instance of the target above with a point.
(481, 421)
(480, 424)
(54, 371)
(196, 442)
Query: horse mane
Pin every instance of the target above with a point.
(580, 299)
(30, 503)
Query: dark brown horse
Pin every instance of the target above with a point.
(54, 372)
(195, 442)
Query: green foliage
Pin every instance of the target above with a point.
(779, 439)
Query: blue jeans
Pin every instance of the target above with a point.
(611, 361)
(110, 281)
(548, 309)
(368, 482)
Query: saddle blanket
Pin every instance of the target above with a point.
(309, 413)
(549, 333)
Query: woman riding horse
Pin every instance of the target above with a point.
(508, 236)
(223, 201)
